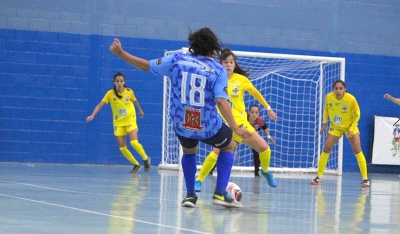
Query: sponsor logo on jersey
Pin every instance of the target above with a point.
(197, 64)
(158, 62)
(337, 119)
(122, 111)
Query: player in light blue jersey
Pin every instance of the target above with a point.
(198, 85)
(197, 82)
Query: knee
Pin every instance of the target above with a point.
(189, 159)
(189, 150)
(327, 149)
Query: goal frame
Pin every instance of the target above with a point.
(165, 165)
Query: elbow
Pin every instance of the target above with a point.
(146, 66)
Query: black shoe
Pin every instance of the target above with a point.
(147, 164)
(189, 201)
(135, 169)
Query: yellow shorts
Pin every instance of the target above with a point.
(244, 125)
(123, 130)
(340, 131)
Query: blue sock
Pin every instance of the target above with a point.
(189, 172)
(224, 167)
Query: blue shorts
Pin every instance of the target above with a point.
(220, 140)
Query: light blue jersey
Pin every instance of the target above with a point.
(196, 83)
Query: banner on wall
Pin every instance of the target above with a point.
(386, 147)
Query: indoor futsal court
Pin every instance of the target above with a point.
(56, 198)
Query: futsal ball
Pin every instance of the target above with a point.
(234, 190)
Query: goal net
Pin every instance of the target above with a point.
(295, 86)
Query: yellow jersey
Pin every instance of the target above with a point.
(344, 113)
(237, 85)
(122, 108)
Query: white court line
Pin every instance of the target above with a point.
(102, 214)
(68, 191)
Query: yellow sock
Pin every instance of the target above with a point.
(208, 165)
(323, 160)
(128, 155)
(265, 158)
(139, 149)
(362, 164)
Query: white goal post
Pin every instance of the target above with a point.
(295, 86)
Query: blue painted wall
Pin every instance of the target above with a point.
(55, 65)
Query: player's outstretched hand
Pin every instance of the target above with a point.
(243, 133)
(387, 96)
(323, 128)
(272, 141)
(350, 134)
(116, 47)
(89, 118)
(272, 115)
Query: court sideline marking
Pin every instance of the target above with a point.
(102, 214)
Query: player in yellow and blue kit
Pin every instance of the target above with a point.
(238, 84)
(343, 112)
(198, 86)
(121, 100)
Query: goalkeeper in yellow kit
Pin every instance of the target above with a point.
(238, 83)
(343, 112)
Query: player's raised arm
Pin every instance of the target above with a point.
(116, 48)
(257, 95)
(394, 100)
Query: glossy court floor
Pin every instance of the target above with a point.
(53, 198)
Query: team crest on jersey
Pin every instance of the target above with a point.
(158, 62)
(126, 99)
(345, 107)
(192, 120)
(235, 91)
